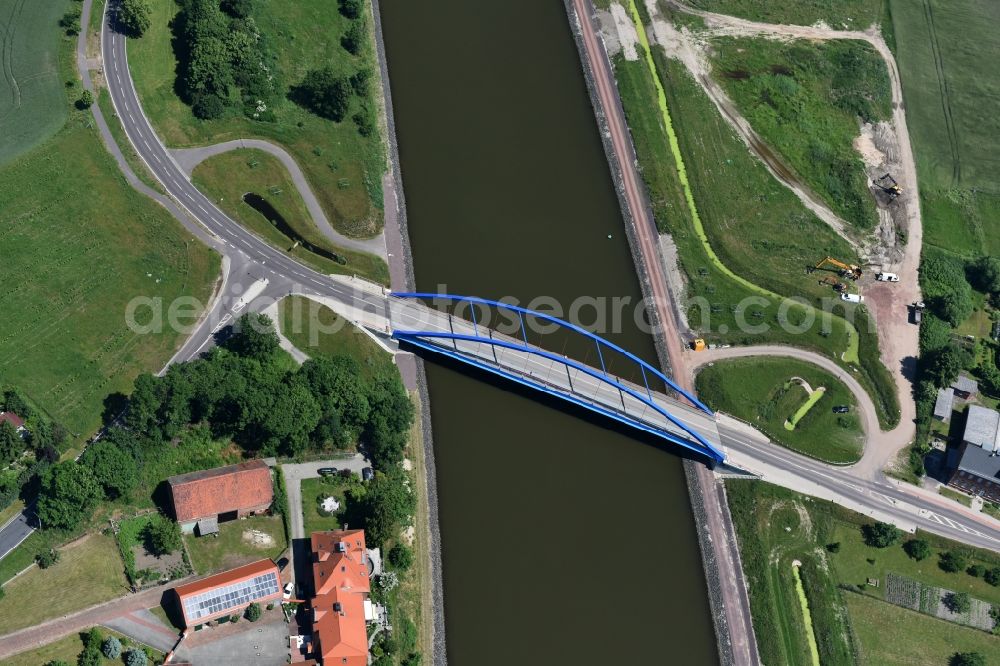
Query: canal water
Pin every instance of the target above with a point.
(565, 541)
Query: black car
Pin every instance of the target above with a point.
(367, 474)
(327, 471)
(841, 409)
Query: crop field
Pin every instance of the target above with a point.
(762, 392)
(76, 246)
(841, 14)
(226, 177)
(344, 168)
(951, 94)
(32, 104)
(805, 99)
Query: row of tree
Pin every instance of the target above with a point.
(224, 59)
(883, 535)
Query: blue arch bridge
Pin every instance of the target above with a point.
(507, 351)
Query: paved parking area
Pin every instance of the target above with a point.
(263, 643)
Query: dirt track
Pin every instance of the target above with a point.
(898, 339)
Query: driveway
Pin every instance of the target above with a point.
(262, 643)
(294, 474)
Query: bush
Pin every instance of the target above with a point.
(47, 558)
(136, 657)
(967, 659)
(952, 561)
(992, 576)
(350, 8)
(208, 106)
(325, 94)
(917, 549)
(401, 556)
(958, 602)
(254, 612)
(976, 570)
(237, 8)
(880, 535)
(86, 100)
(111, 648)
(833, 547)
(162, 536)
(354, 38)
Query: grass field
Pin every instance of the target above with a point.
(230, 549)
(729, 258)
(318, 331)
(91, 569)
(843, 14)
(312, 489)
(804, 99)
(942, 47)
(77, 245)
(67, 649)
(344, 168)
(896, 636)
(32, 101)
(227, 177)
(957, 496)
(761, 391)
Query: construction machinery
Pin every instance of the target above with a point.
(698, 344)
(888, 185)
(835, 283)
(851, 271)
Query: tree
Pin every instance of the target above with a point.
(67, 495)
(984, 274)
(91, 655)
(11, 444)
(953, 306)
(992, 576)
(208, 106)
(136, 657)
(134, 16)
(935, 333)
(354, 38)
(111, 647)
(86, 100)
(386, 506)
(976, 570)
(943, 365)
(833, 547)
(958, 602)
(162, 536)
(325, 94)
(401, 556)
(967, 659)
(952, 561)
(351, 8)
(918, 549)
(238, 8)
(880, 535)
(71, 21)
(254, 337)
(115, 470)
(14, 402)
(47, 558)
(254, 612)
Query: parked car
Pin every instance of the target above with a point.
(852, 298)
(327, 471)
(841, 409)
(367, 474)
(282, 563)
(289, 588)
(887, 277)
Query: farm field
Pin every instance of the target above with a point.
(950, 92)
(805, 99)
(915, 639)
(344, 168)
(65, 207)
(763, 392)
(91, 568)
(842, 14)
(758, 232)
(227, 177)
(32, 101)
(316, 330)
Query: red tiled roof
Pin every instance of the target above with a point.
(221, 490)
(12, 418)
(340, 576)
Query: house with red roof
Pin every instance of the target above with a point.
(202, 499)
(340, 606)
(13, 419)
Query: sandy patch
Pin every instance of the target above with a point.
(627, 36)
(258, 539)
(865, 145)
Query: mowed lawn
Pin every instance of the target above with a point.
(227, 177)
(344, 168)
(841, 14)
(951, 94)
(233, 547)
(317, 330)
(762, 392)
(76, 246)
(32, 104)
(88, 572)
(891, 635)
(312, 490)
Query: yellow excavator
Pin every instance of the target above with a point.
(889, 186)
(847, 270)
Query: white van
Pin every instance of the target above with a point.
(887, 277)
(852, 298)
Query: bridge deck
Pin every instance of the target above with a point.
(550, 373)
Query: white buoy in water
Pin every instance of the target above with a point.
(609, 235)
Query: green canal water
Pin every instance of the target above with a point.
(565, 541)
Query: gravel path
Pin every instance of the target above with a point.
(189, 158)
